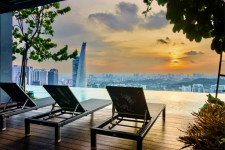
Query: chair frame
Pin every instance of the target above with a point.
(139, 136)
(57, 125)
(10, 113)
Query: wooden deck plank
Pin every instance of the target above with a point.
(76, 135)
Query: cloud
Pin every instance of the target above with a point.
(155, 21)
(161, 41)
(182, 43)
(175, 61)
(126, 18)
(193, 53)
(166, 60)
(193, 61)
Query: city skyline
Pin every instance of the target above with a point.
(122, 40)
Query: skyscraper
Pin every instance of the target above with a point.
(29, 72)
(40, 75)
(53, 77)
(80, 68)
(75, 69)
(16, 69)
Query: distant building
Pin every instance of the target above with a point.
(16, 74)
(220, 88)
(136, 75)
(29, 72)
(197, 75)
(198, 88)
(80, 68)
(186, 88)
(53, 77)
(39, 83)
(40, 75)
(75, 69)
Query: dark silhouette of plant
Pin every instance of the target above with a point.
(208, 129)
(39, 21)
(197, 18)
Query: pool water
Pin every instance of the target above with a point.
(176, 102)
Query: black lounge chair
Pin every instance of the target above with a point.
(21, 103)
(128, 102)
(68, 104)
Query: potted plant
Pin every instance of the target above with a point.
(208, 129)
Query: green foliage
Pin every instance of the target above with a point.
(30, 94)
(197, 18)
(213, 100)
(208, 129)
(94, 86)
(39, 21)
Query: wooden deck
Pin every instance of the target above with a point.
(76, 135)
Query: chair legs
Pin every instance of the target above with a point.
(93, 140)
(27, 128)
(139, 144)
(57, 134)
(2, 123)
(164, 113)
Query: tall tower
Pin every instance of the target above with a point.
(40, 75)
(29, 72)
(53, 77)
(16, 74)
(80, 68)
(75, 69)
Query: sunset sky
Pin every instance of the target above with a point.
(121, 40)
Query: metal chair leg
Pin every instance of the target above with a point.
(93, 140)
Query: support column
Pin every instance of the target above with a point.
(5, 52)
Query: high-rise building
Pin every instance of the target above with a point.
(53, 77)
(39, 83)
(75, 69)
(16, 72)
(198, 88)
(40, 75)
(220, 88)
(186, 88)
(29, 72)
(80, 68)
(16, 69)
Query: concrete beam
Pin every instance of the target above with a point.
(5, 52)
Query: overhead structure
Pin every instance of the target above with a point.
(12, 5)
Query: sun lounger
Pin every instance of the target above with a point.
(68, 104)
(129, 104)
(21, 103)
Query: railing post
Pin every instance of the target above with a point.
(218, 78)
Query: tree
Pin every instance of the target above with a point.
(197, 18)
(39, 21)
